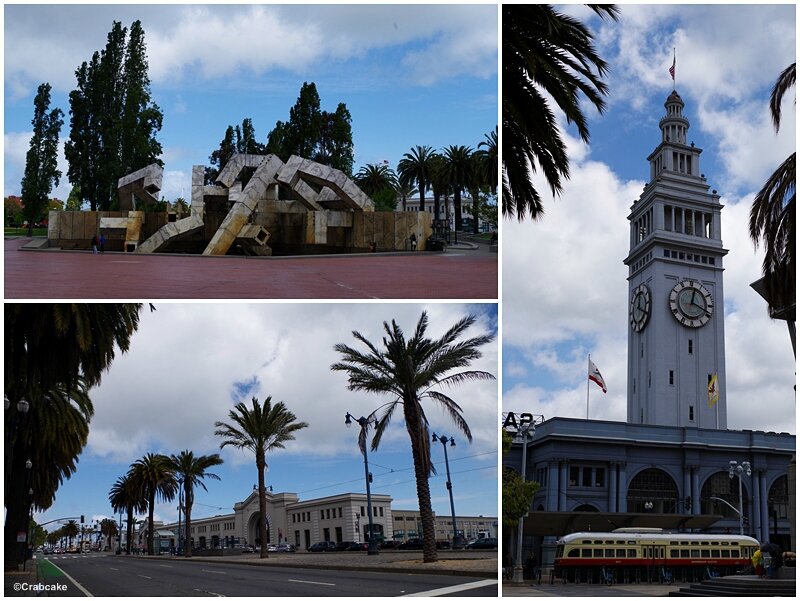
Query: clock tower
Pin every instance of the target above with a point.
(676, 338)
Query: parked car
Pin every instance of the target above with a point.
(442, 544)
(285, 548)
(390, 544)
(322, 546)
(272, 547)
(358, 547)
(344, 545)
(411, 543)
(483, 543)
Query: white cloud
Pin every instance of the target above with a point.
(178, 377)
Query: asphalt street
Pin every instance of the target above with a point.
(109, 576)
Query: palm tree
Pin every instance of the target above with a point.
(70, 530)
(404, 191)
(108, 528)
(410, 371)
(154, 476)
(374, 178)
(259, 429)
(191, 470)
(459, 171)
(439, 185)
(772, 218)
(127, 496)
(415, 169)
(487, 157)
(545, 53)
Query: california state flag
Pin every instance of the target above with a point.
(594, 376)
(713, 391)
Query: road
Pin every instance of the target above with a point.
(112, 576)
(49, 274)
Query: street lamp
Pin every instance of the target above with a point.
(736, 468)
(457, 540)
(524, 431)
(362, 443)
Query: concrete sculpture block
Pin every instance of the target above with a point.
(144, 184)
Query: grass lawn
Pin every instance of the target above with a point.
(23, 231)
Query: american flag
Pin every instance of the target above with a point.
(672, 69)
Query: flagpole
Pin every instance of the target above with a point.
(674, 83)
(588, 371)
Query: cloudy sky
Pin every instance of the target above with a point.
(573, 299)
(409, 74)
(190, 363)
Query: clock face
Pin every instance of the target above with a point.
(640, 307)
(691, 303)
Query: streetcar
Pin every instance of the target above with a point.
(650, 554)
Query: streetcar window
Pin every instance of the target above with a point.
(620, 552)
(715, 543)
(705, 553)
(695, 552)
(609, 552)
(661, 553)
(714, 552)
(673, 553)
(609, 542)
(598, 542)
(673, 542)
(694, 542)
(631, 552)
(704, 543)
(586, 542)
(574, 553)
(586, 552)
(725, 543)
(684, 542)
(631, 542)
(735, 543)
(734, 552)
(684, 552)
(598, 552)
(726, 553)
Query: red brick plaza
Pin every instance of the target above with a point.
(52, 274)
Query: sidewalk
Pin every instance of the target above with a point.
(20, 584)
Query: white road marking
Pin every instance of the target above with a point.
(163, 565)
(312, 582)
(213, 572)
(209, 593)
(115, 569)
(143, 576)
(453, 589)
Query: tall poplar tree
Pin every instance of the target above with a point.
(41, 164)
(113, 123)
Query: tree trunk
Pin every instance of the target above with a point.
(129, 531)
(16, 511)
(152, 502)
(435, 204)
(422, 197)
(188, 508)
(457, 208)
(475, 210)
(262, 505)
(414, 426)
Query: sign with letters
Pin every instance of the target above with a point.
(514, 422)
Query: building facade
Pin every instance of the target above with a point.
(668, 465)
(407, 524)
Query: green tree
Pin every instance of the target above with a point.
(374, 178)
(487, 160)
(404, 192)
(439, 184)
(545, 53)
(385, 200)
(114, 124)
(126, 495)
(153, 474)
(772, 216)
(517, 493)
(220, 157)
(335, 145)
(74, 200)
(13, 210)
(415, 169)
(109, 529)
(411, 371)
(41, 162)
(192, 470)
(259, 429)
(305, 121)
(459, 171)
(70, 530)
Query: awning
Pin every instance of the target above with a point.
(558, 523)
(164, 533)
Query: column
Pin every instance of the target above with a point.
(687, 486)
(764, 505)
(562, 486)
(696, 491)
(623, 488)
(552, 486)
(755, 506)
(612, 487)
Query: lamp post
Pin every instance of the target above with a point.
(457, 540)
(119, 537)
(362, 443)
(524, 431)
(737, 468)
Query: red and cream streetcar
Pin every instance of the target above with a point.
(648, 554)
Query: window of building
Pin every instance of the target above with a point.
(364, 512)
(691, 346)
(691, 413)
(634, 385)
(587, 477)
(380, 511)
(574, 475)
(600, 477)
(340, 512)
(671, 378)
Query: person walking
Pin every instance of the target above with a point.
(94, 244)
(102, 242)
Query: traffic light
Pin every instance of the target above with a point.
(370, 477)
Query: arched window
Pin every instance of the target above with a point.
(778, 498)
(722, 486)
(652, 491)
(586, 507)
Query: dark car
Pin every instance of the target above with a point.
(358, 547)
(322, 547)
(390, 544)
(483, 543)
(442, 544)
(344, 545)
(411, 543)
